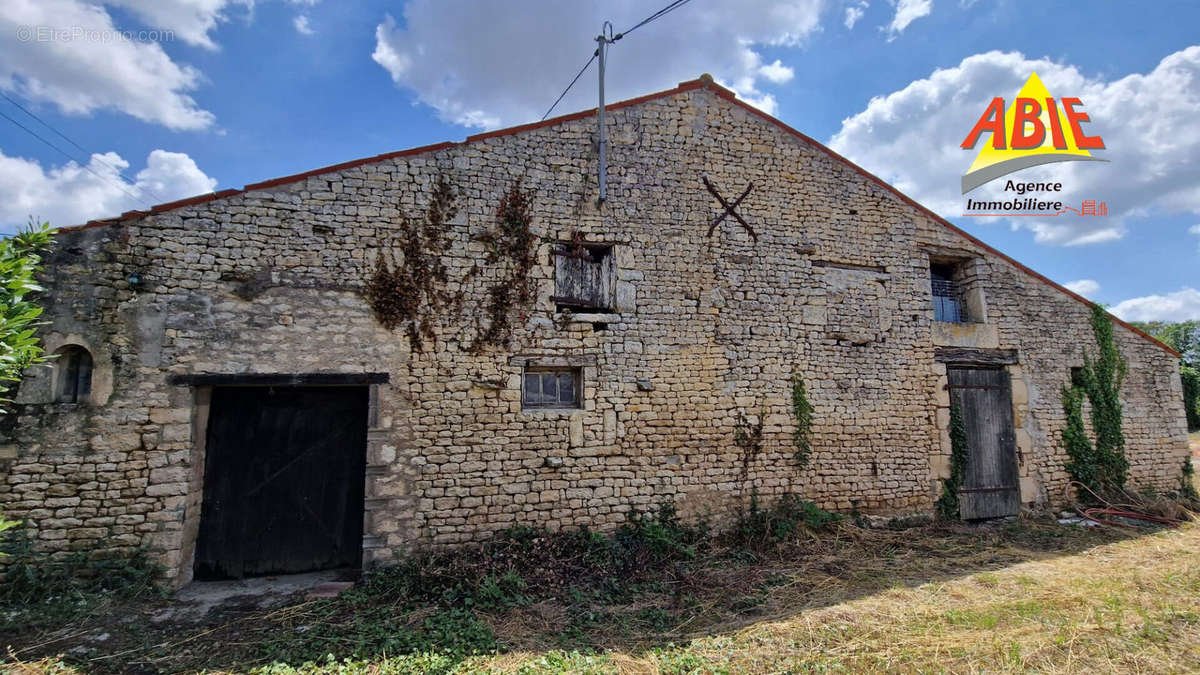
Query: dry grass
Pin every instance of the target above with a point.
(1023, 597)
(1130, 606)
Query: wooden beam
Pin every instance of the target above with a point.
(969, 356)
(276, 379)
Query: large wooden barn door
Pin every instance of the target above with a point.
(991, 488)
(283, 481)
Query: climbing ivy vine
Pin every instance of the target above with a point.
(748, 435)
(802, 411)
(409, 294)
(947, 504)
(1101, 467)
(511, 246)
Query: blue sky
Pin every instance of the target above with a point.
(225, 92)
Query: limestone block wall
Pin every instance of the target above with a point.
(835, 287)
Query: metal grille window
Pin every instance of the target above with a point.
(947, 297)
(552, 388)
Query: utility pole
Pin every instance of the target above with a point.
(602, 42)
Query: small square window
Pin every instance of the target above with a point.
(552, 388)
(583, 277)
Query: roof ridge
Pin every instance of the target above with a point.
(705, 81)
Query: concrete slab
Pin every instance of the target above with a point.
(194, 601)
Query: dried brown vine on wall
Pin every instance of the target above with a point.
(511, 247)
(410, 294)
(748, 435)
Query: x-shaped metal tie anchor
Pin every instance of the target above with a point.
(729, 208)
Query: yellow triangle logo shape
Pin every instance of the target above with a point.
(991, 163)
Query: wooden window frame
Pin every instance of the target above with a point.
(576, 374)
(597, 261)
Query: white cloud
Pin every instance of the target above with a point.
(1084, 287)
(70, 194)
(854, 13)
(907, 11)
(1182, 305)
(1195, 229)
(911, 139)
(83, 75)
(491, 73)
(777, 72)
(191, 20)
(301, 25)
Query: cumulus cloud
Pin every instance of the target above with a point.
(777, 72)
(83, 75)
(491, 73)
(854, 13)
(301, 25)
(191, 20)
(911, 139)
(71, 194)
(1182, 305)
(1084, 287)
(907, 11)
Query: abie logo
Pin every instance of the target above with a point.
(1033, 130)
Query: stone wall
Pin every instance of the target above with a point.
(835, 287)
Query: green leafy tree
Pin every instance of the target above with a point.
(1183, 337)
(20, 262)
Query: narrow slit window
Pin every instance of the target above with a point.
(552, 388)
(73, 375)
(948, 303)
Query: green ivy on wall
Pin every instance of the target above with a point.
(947, 504)
(802, 410)
(1100, 467)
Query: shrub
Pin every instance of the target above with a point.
(759, 528)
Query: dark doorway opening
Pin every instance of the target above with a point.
(284, 474)
(992, 486)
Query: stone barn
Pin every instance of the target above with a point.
(425, 347)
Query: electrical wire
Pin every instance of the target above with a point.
(577, 76)
(611, 39)
(87, 168)
(82, 149)
(657, 15)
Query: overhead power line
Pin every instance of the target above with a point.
(90, 155)
(31, 132)
(577, 76)
(657, 15)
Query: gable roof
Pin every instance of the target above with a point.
(703, 82)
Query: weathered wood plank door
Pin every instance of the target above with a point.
(992, 485)
(283, 481)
